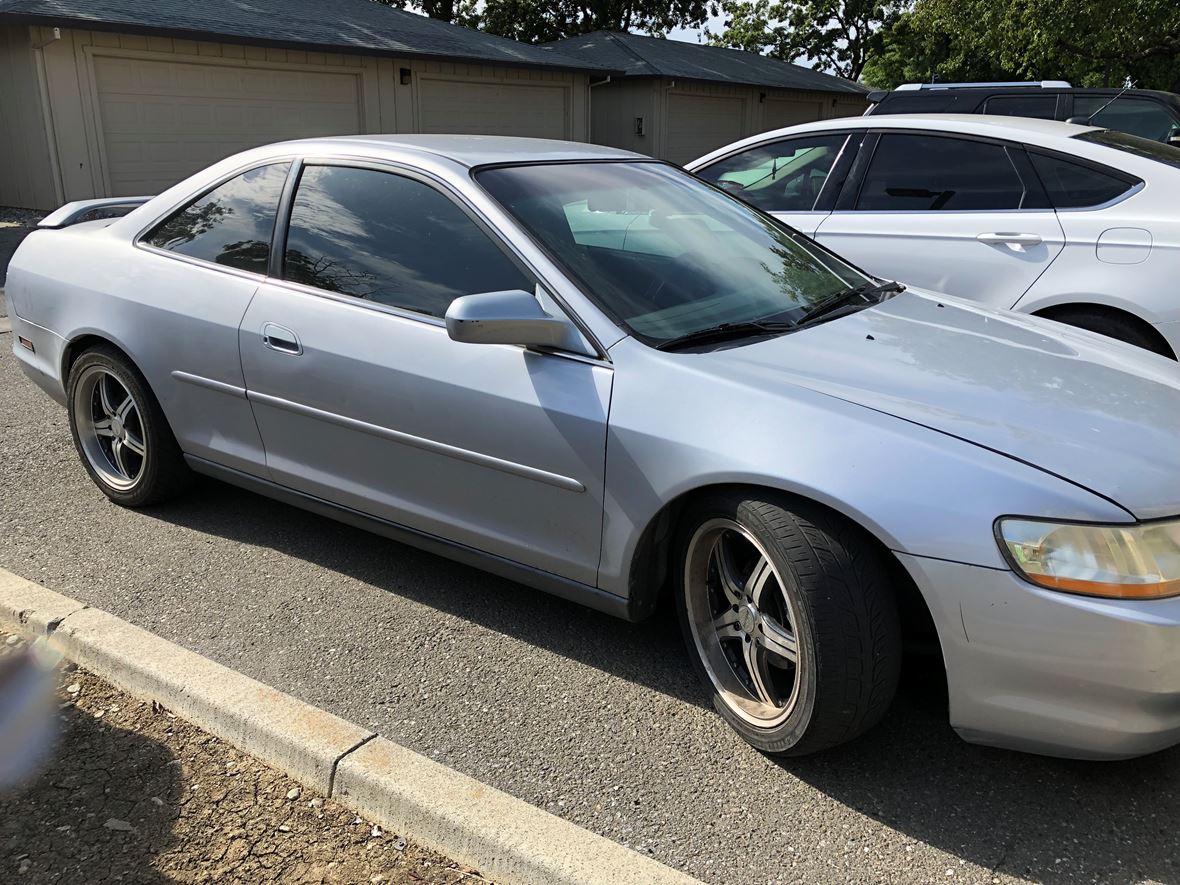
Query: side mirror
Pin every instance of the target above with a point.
(1174, 139)
(511, 317)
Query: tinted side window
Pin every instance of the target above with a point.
(918, 103)
(231, 224)
(785, 176)
(1041, 106)
(1139, 116)
(389, 239)
(1075, 186)
(925, 173)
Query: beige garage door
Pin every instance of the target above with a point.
(853, 108)
(163, 120)
(699, 123)
(467, 107)
(782, 112)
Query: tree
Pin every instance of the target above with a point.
(1088, 42)
(919, 50)
(539, 21)
(838, 36)
(446, 10)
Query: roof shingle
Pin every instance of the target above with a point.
(343, 25)
(640, 56)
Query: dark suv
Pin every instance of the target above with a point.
(1143, 112)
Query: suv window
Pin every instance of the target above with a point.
(785, 176)
(390, 239)
(231, 224)
(1075, 185)
(926, 173)
(1139, 116)
(1043, 107)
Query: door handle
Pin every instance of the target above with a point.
(281, 338)
(1006, 239)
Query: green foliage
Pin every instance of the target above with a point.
(838, 36)
(1088, 42)
(446, 10)
(538, 21)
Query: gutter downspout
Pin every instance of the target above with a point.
(59, 190)
(590, 108)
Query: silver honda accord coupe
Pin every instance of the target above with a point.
(597, 375)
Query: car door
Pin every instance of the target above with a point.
(363, 400)
(954, 214)
(201, 265)
(796, 179)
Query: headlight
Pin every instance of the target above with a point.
(1123, 562)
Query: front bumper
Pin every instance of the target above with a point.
(1053, 673)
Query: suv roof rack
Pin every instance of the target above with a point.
(1036, 84)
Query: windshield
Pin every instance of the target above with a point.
(1134, 144)
(664, 253)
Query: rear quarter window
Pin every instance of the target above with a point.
(230, 225)
(1072, 185)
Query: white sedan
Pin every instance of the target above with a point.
(1074, 223)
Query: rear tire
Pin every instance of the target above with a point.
(120, 431)
(1113, 325)
(790, 618)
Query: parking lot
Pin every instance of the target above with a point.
(595, 720)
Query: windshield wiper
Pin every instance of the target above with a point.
(866, 292)
(725, 332)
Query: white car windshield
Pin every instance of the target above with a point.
(664, 253)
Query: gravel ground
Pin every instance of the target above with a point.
(137, 795)
(13, 217)
(596, 720)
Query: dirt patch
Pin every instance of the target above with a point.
(136, 795)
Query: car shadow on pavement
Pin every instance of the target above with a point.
(1033, 817)
(103, 808)
(1027, 816)
(651, 653)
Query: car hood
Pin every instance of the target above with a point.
(1100, 414)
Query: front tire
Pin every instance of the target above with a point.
(120, 431)
(790, 618)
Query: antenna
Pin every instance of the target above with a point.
(1108, 104)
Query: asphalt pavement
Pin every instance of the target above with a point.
(596, 720)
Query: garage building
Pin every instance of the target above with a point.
(678, 100)
(125, 97)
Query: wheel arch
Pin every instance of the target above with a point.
(1057, 311)
(651, 564)
(83, 341)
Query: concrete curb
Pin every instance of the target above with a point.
(502, 836)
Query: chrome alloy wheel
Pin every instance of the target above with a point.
(742, 623)
(110, 428)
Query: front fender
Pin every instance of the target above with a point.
(676, 430)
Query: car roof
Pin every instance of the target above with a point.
(978, 124)
(466, 150)
(1023, 129)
